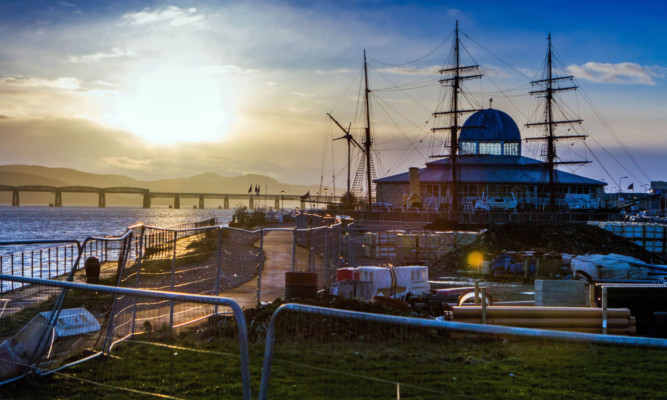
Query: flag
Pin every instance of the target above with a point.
(250, 189)
(632, 186)
(257, 189)
(305, 196)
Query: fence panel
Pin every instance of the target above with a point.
(315, 352)
(82, 326)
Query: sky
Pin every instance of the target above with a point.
(154, 89)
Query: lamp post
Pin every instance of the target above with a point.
(326, 195)
(282, 203)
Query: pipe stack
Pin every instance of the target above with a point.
(573, 319)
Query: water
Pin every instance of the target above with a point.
(76, 223)
(33, 222)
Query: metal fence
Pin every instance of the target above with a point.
(371, 355)
(46, 344)
(197, 259)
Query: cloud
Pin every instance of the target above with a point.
(65, 83)
(337, 71)
(627, 73)
(225, 69)
(105, 83)
(172, 16)
(431, 70)
(66, 4)
(494, 71)
(115, 53)
(126, 163)
(301, 94)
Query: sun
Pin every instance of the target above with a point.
(174, 105)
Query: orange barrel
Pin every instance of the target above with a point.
(300, 285)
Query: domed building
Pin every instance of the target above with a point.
(491, 167)
(490, 132)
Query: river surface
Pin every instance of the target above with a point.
(35, 222)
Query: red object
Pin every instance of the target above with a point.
(347, 274)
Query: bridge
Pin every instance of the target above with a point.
(147, 195)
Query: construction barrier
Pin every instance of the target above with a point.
(414, 246)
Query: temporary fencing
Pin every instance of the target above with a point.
(43, 346)
(195, 259)
(334, 353)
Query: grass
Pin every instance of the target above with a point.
(199, 363)
(196, 252)
(94, 302)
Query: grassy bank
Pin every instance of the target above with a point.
(339, 363)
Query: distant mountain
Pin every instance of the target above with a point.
(70, 177)
(19, 175)
(20, 178)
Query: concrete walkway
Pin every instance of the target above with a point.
(278, 260)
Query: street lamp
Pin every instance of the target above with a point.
(325, 194)
(282, 203)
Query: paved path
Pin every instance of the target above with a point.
(278, 260)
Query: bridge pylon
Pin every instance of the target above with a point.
(201, 202)
(147, 200)
(102, 200)
(15, 198)
(58, 202)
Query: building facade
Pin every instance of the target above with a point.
(491, 167)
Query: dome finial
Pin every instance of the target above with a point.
(491, 102)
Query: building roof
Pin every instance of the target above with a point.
(490, 125)
(492, 169)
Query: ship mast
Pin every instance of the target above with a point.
(548, 91)
(350, 141)
(454, 81)
(367, 141)
(365, 148)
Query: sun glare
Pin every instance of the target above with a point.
(174, 105)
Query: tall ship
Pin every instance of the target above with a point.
(477, 165)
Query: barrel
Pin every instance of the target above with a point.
(300, 285)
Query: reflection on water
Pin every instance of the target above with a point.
(31, 222)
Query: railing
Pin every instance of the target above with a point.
(424, 325)
(131, 293)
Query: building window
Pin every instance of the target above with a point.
(468, 148)
(511, 149)
(490, 148)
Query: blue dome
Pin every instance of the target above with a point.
(490, 125)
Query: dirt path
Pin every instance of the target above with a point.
(278, 260)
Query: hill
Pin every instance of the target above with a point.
(19, 175)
